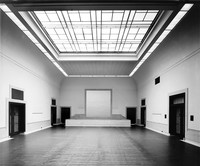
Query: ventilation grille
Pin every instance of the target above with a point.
(17, 94)
(143, 102)
(157, 80)
(53, 102)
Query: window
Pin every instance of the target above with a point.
(17, 94)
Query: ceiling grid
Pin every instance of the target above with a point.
(96, 31)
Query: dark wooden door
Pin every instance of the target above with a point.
(131, 114)
(177, 121)
(177, 116)
(65, 114)
(16, 118)
(53, 115)
(143, 116)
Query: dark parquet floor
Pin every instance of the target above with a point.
(84, 146)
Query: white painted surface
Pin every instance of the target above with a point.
(177, 62)
(98, 123)
(22, 65)
(124, 94)
(5, 139)
(98, 103)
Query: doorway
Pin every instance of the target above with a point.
(131, 114)
(53, 115)
(65, 114)
(17, 120)
(143, 116)
(177, 115)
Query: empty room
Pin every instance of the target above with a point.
(99, 82)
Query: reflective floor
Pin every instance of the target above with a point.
(84, 146)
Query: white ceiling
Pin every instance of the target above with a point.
(98, 67)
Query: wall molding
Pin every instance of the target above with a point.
(157, 122)
(160, 132)
(180, 61)
(167, 134)
(11, 60)
(191, 142)
(3, 127)
(5, 139)
(169, 68)
(157, 127)
(30, 132)
(39, 121)
(195, 130)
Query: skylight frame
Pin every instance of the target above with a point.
(98, 36)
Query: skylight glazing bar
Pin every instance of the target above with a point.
(62, 17)
(117, 43)
(96, 31)
(125, 29)
(92, 30)
(75, 45)
(103, 31)
(72, 44)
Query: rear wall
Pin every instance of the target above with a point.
(72, 93)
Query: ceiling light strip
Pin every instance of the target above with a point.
(169, 28)
(11, 15)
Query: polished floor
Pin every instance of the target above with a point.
(81, 146)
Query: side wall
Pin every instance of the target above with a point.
(123, 93)
(23, 66)
(177, 62)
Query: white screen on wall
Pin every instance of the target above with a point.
(98, 103)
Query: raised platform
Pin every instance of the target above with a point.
(113, 121)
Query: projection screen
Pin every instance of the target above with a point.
(98, 103)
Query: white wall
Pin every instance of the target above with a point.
(23, 66)
(177, 62)
(72, 93)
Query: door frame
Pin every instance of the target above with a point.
(135, 114)
(53, 106)
(7, 123)
(145, 116)
(185, 91)
(61, 111)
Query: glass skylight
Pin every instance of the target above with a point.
(96, 31)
